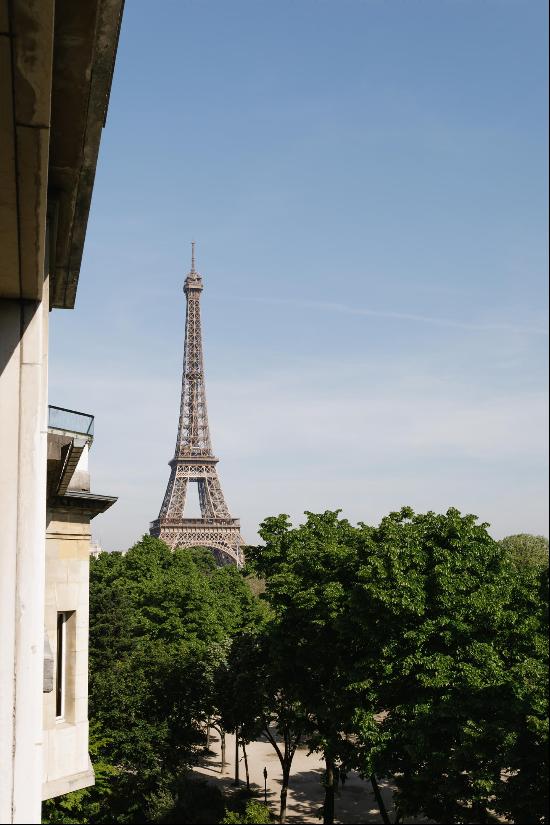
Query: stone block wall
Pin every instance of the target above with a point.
(66, 762)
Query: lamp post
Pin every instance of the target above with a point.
(265, 786)
(236, 782)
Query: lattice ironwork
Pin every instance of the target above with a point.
(193, 457)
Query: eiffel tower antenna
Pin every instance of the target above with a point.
(194, 460)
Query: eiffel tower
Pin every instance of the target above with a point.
(193, 457)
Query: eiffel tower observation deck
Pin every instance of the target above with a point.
(193, 459)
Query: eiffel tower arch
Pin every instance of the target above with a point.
(193, 459)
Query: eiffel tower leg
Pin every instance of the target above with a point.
(174, 498)
(204, 499)
(215, 497)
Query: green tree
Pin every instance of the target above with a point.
(255, 813)
(308, 573)
(527, 550)
(237, 697)
(257, 695)
(461, 635)
(413, 649)
(522, 791)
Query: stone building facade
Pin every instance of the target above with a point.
(70, 507)
(56, 64)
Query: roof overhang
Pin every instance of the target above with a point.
(89, 504)
(86, 39)
(56, 65)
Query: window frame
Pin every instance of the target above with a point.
(61, 665)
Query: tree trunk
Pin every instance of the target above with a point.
(328, 807)
(246, 765)
(236, 782)
(284, 789)
(222, 741)
(380, 801)
(285, 759)
(208, 734)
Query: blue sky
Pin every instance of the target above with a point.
(366, 183)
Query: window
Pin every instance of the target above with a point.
(61, 666)
(65, 666)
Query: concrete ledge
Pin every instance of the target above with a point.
(66, 784)
(89, 504)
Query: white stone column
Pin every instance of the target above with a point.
(23, 451)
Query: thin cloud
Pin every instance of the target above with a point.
(398, 316)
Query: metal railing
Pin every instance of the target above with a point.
(59, 418)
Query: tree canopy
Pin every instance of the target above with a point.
(527, 550)
(415, 649)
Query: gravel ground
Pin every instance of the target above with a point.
(355, 801)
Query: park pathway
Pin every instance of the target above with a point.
(355, 803)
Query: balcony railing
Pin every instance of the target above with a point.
(70, 421)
